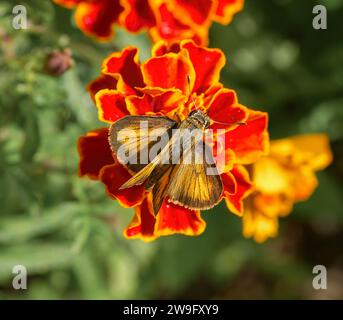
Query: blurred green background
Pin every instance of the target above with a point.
(69, 234)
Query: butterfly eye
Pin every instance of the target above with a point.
(193, 112)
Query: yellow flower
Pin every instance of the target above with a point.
(284, 177)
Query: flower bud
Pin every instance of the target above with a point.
(58, 62)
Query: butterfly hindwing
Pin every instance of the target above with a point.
(160, 189)
(196, 186)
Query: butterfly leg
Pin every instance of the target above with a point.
(176, 115)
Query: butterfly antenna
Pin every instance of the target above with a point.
(190, 93)
(241, 123)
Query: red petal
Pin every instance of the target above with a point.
(114, 176)
(102, 82)
(244, 188)
(250, 141)
(160, 102)
(96, 18)
(170, 28)
(224, 108)
(173, 219)
(168, 71)
(111, 105)
(207, 65)
(163, 47)
(95, 153)
(197, 11)
(125, 67)
(137, 15)
(143, 223)
(229, 184)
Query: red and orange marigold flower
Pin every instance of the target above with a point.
(169, 20)
(159, 87)
(284, 177)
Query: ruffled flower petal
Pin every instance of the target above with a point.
(111, 105)
(304, 183)
(207, 64)
(163, 47)
(114, 176)
(156, 101)
(310, 150)
(259, 226)
(96, 18)
(170, 28)
(124, 66)
(244, 187)
(271, 205)
(270, 177)
(102, 82)
(142, 226)
(192, 12)
(229, 184)
(137, 15)
(250, 141)
(173, 219)
(224, 108)
(94, 152)
(176, 68)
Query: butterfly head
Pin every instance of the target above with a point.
(201, 118)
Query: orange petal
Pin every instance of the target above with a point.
(125, 67)
(143, 223)
(224, 108)
(111, 105)
(207, 64)
(304, 183)
(272, 205)
(244, 187)
(96, 18)
(173, 219)
(158, 102)
(137, 15)
(226, 9)
(102, 82)
(250, 141)
(114, 176)
(310, 150)
(94, 152)
(175, 69)
(270, 177)
(259, 226)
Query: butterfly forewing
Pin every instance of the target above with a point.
(142, 133)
